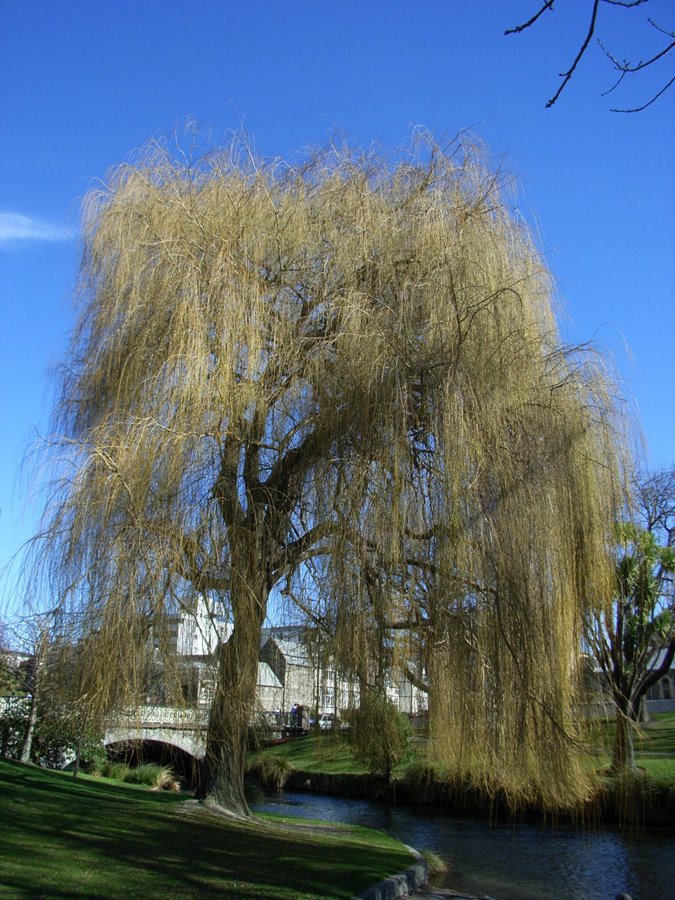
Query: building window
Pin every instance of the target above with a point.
(327, 699)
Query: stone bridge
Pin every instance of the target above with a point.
(181, 728)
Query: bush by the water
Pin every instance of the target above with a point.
(110, 769)
(420, 775)
(271, 771)
(378, 734)
(159, 778)
(436, 865)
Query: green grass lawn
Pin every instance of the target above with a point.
(654, 751)
(96, 838)
(658, 736)
(326, 753)
(654, 747)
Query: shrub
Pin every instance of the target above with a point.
(378, 734)
(116, 770)
(271, 771)
(160, 778)
(437, 866)
(92, 755)
(421, 774)
(13, 725)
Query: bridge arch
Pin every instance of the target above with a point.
(186, 742)
(178, 753)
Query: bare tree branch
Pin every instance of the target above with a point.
(623, 67)
(626, 67)
(518, 28)
(656, 96)
(568, 74)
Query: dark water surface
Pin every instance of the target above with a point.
(510, 862)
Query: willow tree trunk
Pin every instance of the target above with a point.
(222, 775)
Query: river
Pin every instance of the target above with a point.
(510, 862)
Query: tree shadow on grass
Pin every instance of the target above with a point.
(62, 841)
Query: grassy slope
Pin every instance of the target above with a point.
(655, 751)
(326, 753)
(654, 747)
(93, 838)
(658, 736)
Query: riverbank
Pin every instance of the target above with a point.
(507, 860)
(637, 804)
(324, 764)
(94, 838)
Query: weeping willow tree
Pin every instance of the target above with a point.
(349, 367)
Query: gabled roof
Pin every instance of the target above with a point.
(266, 677)
(294, 652)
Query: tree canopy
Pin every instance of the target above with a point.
(345, 370)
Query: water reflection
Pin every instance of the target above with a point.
(511, 862)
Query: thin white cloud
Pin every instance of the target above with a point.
(15, 227)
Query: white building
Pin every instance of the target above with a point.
(307, 677)
(293, 668)
(201, 630)
(661, 696)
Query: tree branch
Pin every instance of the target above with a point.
(625, 3)
(225, 488)
(568, 74)
(636, 109)
(415, 680)
(292, 553)
(624, 68)
(652, 676)
(519, 28)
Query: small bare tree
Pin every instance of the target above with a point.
(12, 694)
(25, 669)
(348, 367)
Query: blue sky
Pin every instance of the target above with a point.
(82, 84)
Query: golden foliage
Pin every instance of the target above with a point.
(349, 368)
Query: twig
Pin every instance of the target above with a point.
(649, 103)
(567, 75)
(519, 28)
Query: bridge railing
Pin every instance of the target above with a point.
(167, 716)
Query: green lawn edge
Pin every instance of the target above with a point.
(95, 838)
(330, 754)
